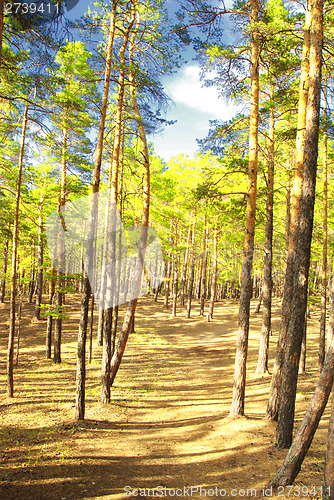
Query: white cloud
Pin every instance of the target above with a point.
(186, 88)
(194, 107)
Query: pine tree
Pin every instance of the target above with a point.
(303, 249)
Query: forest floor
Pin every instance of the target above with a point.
(167, 432)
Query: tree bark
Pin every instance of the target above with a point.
(40, 267)
(113, 186)
(11, 336)
(322, 339)
(81, 352)
(58, 321)
(129, 316)
(273, 402)
(32, 280)
(175, 271)
(19, 315)
(192, 269)
(238, 399)
(4, 271)
(330, 327)
(114, 329)
(328, 486)
(184, 269)
(90, 352)
(104, 102)
(106, 356)
(287, 215)
(122, 340)
(293, 460)
(302, 361)
(214, 275)
(100, 327)
(302, 256)
(258, 307)
(48, 343)
(82, 335)
(204, 269)
(167, 281)
(267, 287)
(60, 280)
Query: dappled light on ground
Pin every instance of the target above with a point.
(168, 422)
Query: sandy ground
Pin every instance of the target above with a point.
(167, 432)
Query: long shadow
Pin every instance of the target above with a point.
(199, 373)
(108, 474)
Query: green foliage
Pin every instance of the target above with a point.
(64, 91)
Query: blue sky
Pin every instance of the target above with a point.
(193, 105)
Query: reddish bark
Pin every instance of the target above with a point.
(237, 407)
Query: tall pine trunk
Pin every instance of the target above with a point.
(48, 340)
(322, 336)
(214, 274)
(267, 287)
(204, 269)
(238, 399)
(11, 336)
(91, 326)
(293, 460)
(32, 278)
(328, 486)
(167, 281)
(4, 271)
(302, 255)
(302, 361)
(296, 192)
(330, 326)
(129, 316)
(175, 270)
(113, 186)
(192, 269)
(39, 290)
(100, 324)
(82, 334)
(184, 269)
(60, 280)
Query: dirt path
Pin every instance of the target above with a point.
(167, 429)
